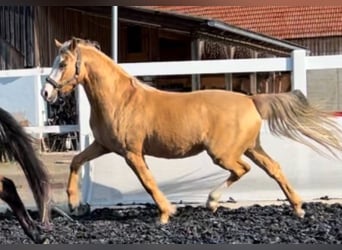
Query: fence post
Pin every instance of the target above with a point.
(40, 107)
(41, 116)
(298, 74)
(83, 117)
(115, 32)
(85, 132)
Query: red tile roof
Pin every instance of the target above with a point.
(278, 21)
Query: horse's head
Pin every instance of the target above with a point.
(66, 71)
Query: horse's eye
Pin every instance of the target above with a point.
(62, 65)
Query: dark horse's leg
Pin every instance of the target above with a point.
(17, 145)
(9, 194)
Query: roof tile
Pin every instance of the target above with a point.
(282, 22)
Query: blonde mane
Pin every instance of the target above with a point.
(88, 45)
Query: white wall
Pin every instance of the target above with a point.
(191, 179)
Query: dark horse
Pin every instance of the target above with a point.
(16, 144)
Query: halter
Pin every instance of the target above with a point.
(56, 85)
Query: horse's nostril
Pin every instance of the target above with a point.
(46, 94)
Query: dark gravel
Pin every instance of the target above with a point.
(255, 224)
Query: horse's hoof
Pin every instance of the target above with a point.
(164, 219)
(81, 210)
(45, 226)
(36, 237)
(300, 213)
(39, 239)
(73, 206)
(73, 202)
(173, 210)
(212, 205)
(46, 241)
(42, 240)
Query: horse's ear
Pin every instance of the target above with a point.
(73, 44)
(58, 44)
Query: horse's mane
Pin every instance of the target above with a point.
(92, 43)
(136, 81)
(95, 44)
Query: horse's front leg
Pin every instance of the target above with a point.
(138, 165)
(93, 151)
(9, 194)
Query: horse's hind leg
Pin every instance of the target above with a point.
(272, 168)
(237, 168)
(138, 165)
(9, 194)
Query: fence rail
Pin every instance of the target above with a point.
(56, 129)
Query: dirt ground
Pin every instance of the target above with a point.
(57, 165)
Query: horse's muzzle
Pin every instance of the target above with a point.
(49, 94)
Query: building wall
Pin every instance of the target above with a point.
(324, 88)
(62, 23)
(27, 35)
(320, 46)
(16, 37)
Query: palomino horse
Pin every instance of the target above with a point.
(133, 120)
(16, 145)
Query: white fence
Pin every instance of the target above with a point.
(20, 94)
(107, 180)
(18, 86)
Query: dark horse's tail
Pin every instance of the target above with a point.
(290, 114)
(16, 144)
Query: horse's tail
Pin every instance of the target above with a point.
(290, 115)
(16, 144)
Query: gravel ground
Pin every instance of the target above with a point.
(254, 224)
